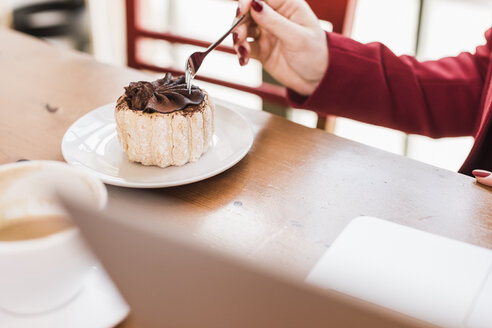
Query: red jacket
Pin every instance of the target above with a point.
(444, 98)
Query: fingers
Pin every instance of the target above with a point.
(273, 22)
(240, 45)
(297, 11)
(242, 33)
(282, 23)
(240, 38)
(255, 49)
(239, 34)
(243, 6)
(248, 50)
(244, 51)
(483, 177)
(287, 21)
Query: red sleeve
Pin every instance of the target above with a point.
(369, 83)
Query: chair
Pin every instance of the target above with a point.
(338, 12)
(70, 25)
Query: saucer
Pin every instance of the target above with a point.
(91, 143)
(99, 305)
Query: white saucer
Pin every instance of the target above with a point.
(91, 143)
(98, 305)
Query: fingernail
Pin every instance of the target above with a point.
(242, 51)
(481, 173)
(257, 6)
(238, 11)
(242, 61)
(235, 37)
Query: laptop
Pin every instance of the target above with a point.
(170, 279)
(426, 276)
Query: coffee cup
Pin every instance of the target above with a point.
(44, 262)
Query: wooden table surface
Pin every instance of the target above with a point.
(280, 207)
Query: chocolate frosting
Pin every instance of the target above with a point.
(165, 95)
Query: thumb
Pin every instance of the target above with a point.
(273, 22)
(483, 177)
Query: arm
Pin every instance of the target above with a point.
(371, 84)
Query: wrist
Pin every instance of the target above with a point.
(319, 68)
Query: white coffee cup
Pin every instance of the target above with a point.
(43, 274)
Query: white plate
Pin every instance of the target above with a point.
(92, 144)
(99, 304)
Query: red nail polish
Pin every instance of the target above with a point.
(242, 51)
(238, 11)
(242, 61)
(480, 173)
(235, 37)
(257, 6)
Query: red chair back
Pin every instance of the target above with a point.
(338, 12)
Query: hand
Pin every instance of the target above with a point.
(483, 177)
(290, 42)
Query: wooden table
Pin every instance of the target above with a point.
(280, 207)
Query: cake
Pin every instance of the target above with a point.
(161, 123)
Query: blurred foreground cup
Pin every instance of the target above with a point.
(43, 259)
